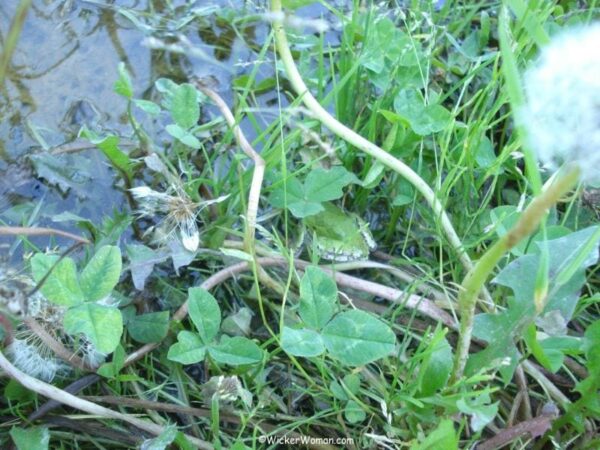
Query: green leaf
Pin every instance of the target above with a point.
(123, 85)
(31, 438)
(391, 55)
(479, 409)
(591, 347)
(61, 287)
(102, 325)
(357, 338)
(354, 413)
(423, 119)
(238, 323)
(15, 391)
(185, 109)
(321, 185)
(204, 312)
(102, 273)
(350, 383)
(162, 441)
(148, 328)
(318, 297)
(183, 136)
(436, 367)
(109, 145)
(484, 153)
(235, 253)
(189, 349)
(302, 342)
(148, 107)
(111, 369)
(294, 199)
(444, 436)
(236, 351)
(502, 329)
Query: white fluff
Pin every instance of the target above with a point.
(562, 114)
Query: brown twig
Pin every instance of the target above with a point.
(533, 427)
(59, 349)
(41, 231)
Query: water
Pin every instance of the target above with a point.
(61, 78)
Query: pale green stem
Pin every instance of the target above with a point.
(10, 42)
(476, 277)
(357, 140)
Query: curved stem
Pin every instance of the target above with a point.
(475, 279)
(357, 140)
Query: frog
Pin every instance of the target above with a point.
(340, 236)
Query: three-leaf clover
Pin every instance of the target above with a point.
(354, 337)
(192, 347)
(321, 185)
(84, 295)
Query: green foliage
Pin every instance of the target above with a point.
(436, 365)
(424, 119)
(109, 145)
(444, 436)
(101, 274)
(185, 110)
(32, 438)
(163, 440)
(62, 286)
(102, 324)
(354, 337)
(433, 85)
(193, 347)
(321, 185)
(150, 327)
(123, 84)
(318, 298)
(570, 255)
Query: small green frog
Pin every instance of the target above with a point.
(340, 236)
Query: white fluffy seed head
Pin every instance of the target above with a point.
(562, 113)
(34, 358)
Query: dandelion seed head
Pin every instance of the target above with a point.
(562, 114)
(178, 213)
(30, 355)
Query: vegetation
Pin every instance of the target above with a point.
(402, 254)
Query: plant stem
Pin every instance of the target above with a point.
(475, 279)
(357, 140)
(12, 37)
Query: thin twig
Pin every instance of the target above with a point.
(59, 349)
(532, 427)
(37, 231)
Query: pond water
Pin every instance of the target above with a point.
(61, 78)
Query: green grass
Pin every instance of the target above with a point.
(467, 74)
